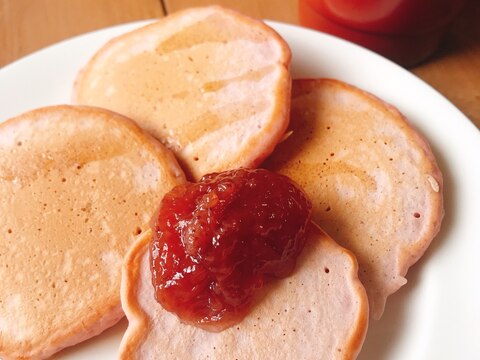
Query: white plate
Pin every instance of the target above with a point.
(437, 314)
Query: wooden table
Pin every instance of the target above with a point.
(27, 25)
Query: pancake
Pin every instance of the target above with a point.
(211, 84)
(320, 311)
(77, 185)
(373, 180)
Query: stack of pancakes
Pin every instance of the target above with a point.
(205, 90)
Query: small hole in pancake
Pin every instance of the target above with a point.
(9, 231)
(327, 270)
(19, 143)
(195, 158)
(417, 215)
(137, 231)
(328, 208)
(332, 154)
(63, 179)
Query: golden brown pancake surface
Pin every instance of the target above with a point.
(210, 83)
(77, 184)
(373, 180)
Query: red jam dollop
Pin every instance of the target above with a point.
(216, 242)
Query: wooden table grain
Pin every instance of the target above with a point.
(28, 25)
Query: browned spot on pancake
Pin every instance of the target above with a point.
(256, 75)
(313, 175)
(178, 95)
(211, 29)
(213, 120)
(197, 127)
(84, 150)
(184, 130)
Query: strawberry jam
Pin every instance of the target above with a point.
(217, 241)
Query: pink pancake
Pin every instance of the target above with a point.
(373, 180)
(77, 185)
(210, 83)
(320, 311)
